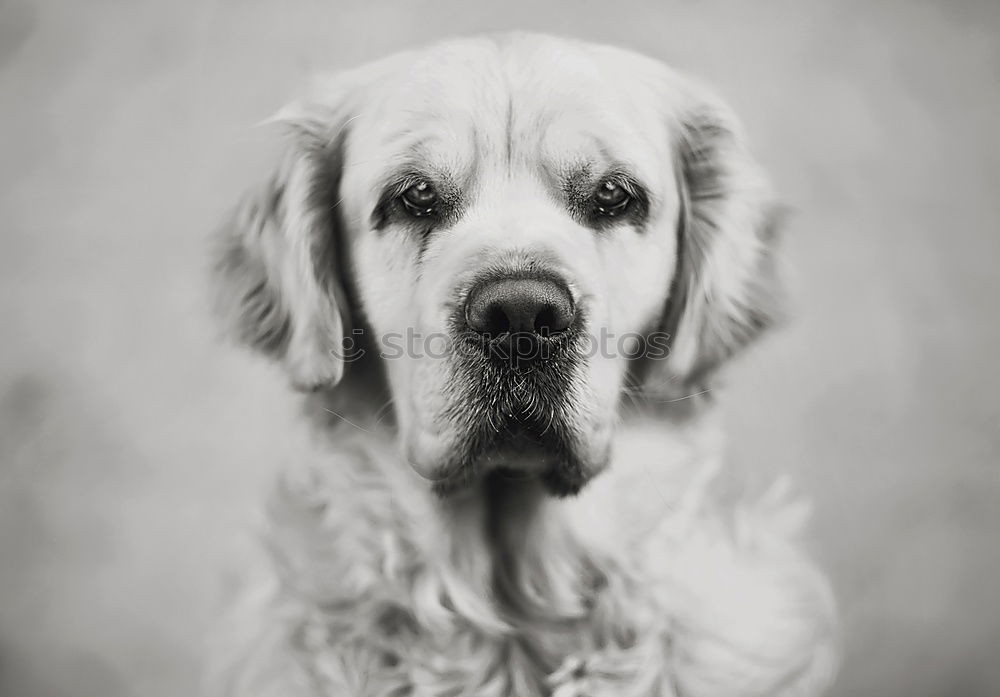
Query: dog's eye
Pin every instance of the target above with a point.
(611, 198)
(420, 199)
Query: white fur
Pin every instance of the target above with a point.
(643, 585)
(368, 589)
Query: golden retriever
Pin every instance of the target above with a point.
(505, 270)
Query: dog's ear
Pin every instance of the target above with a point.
(725, 289)
(278, 259)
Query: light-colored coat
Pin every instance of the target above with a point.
(643, 584)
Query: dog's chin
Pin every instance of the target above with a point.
(520, 456)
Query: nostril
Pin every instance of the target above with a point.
(554, 317)
(496, 321)
(545, 322)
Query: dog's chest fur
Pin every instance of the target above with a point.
(375, 588)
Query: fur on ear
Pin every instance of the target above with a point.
(725, 289)
(277, 277)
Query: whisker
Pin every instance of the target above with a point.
(383, 411)
(346, 420)
(649, 395)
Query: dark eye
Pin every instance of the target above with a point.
(420, 199)
(611, 198)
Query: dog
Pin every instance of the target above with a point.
(504, 271)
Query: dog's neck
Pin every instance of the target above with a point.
(504, 538)
(638, 574)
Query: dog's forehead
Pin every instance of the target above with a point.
(515, 99)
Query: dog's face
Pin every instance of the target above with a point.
(525, 229)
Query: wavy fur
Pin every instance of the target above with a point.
(367, 590)
(643, 584)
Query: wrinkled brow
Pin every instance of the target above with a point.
(579, 155)
(456, 148)
(580, 174)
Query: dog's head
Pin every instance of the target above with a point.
(520, 231)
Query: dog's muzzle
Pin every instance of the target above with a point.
(515, 369)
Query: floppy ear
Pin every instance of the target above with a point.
(725, 289)
(277, 262)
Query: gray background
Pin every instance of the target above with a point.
(132, 446)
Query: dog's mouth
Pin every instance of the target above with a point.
(522, 447)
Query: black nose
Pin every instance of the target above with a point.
(520, 305)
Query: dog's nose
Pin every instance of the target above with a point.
(520, 305)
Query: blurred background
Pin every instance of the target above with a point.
(134, 447)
